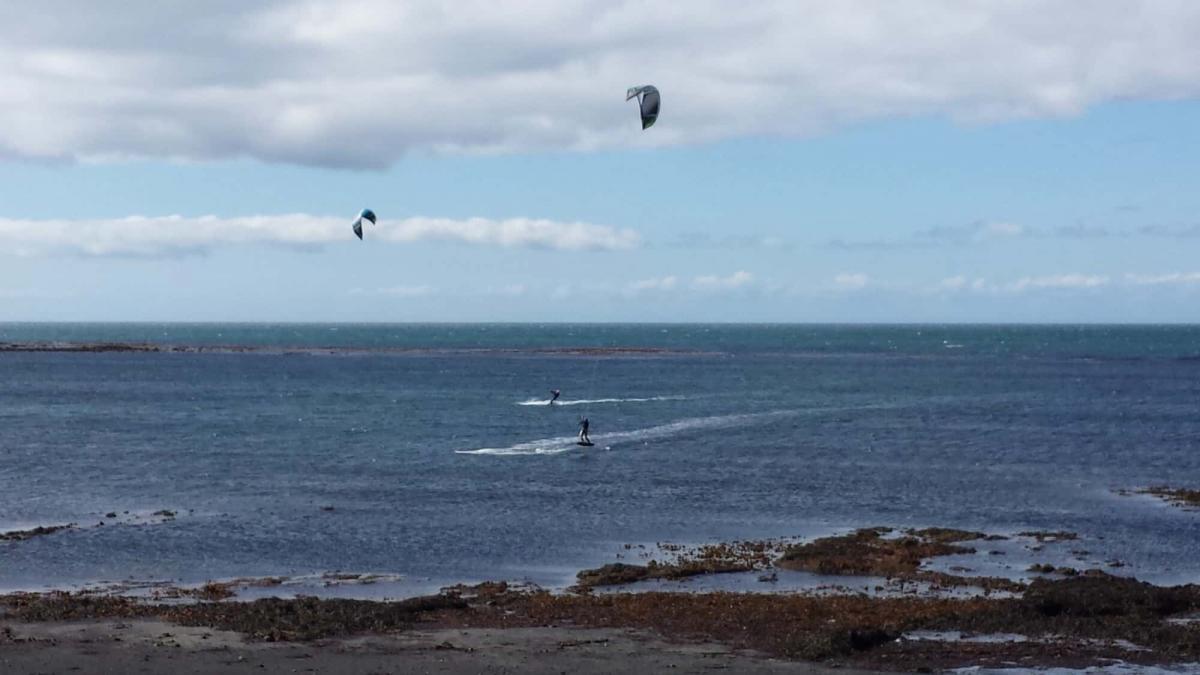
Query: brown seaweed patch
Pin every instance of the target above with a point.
(211, 592)
(1079, 621)
(949, 535)
(1175, 496)
(739, 556)
(309, 618)
(1100, 594)
(1043, 537)
(1087, 617)
(218, 590)
(63, 606)
(22, 535)
(867, 552)
(1046, 568)
(613, 574)
(791, 626)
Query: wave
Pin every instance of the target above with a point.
(560, 444)
(589, 401)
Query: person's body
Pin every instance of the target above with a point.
(554, 393)
(583, 431)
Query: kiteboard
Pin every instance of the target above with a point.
(585, 444)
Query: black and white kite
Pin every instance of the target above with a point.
(648, 100)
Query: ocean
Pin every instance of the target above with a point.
(427, 453)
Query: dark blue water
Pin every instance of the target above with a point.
(436, 471)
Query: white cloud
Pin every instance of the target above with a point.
(1003, 230)
(953, 283)
(407, 291)
(154, 236)
(31, 294)
(1163, 279)
(942, 235)
(656, 284)
(962, 283)
(851, 281)
(361, 82)
(972, 232)
(510, 291)
(418, 291)
(1058, 281)
(739, 279)
(513, 232)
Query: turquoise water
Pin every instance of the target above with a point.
(440, 464)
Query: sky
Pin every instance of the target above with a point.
(857, 161)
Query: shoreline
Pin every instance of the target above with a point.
(924, 614)
(1074, 623)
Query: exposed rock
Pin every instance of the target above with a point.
(21, 535)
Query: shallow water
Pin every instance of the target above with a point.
(437, 470)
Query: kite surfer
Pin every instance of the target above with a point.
(554, 394)
(583, 432)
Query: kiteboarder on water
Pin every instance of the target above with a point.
(583, 432)
(554, 393)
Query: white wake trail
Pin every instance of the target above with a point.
(554, 446)
(590, 401)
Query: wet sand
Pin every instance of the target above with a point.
(153, 646)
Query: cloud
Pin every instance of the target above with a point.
(739, 279)
(509, 291)
(953, 283)
(851, 282)
(1058, 281)
(959, 235)
(514, 232)
(1081, 231)
(705, 240)
(942, 235)
(419, 291)
(175, 235)
(961, 283)
(1185, 232)
(31, 294)
(971, 232)
(871, 244)
(656, 284)
(1174, 279)
(359, 83)
(1002, 230)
